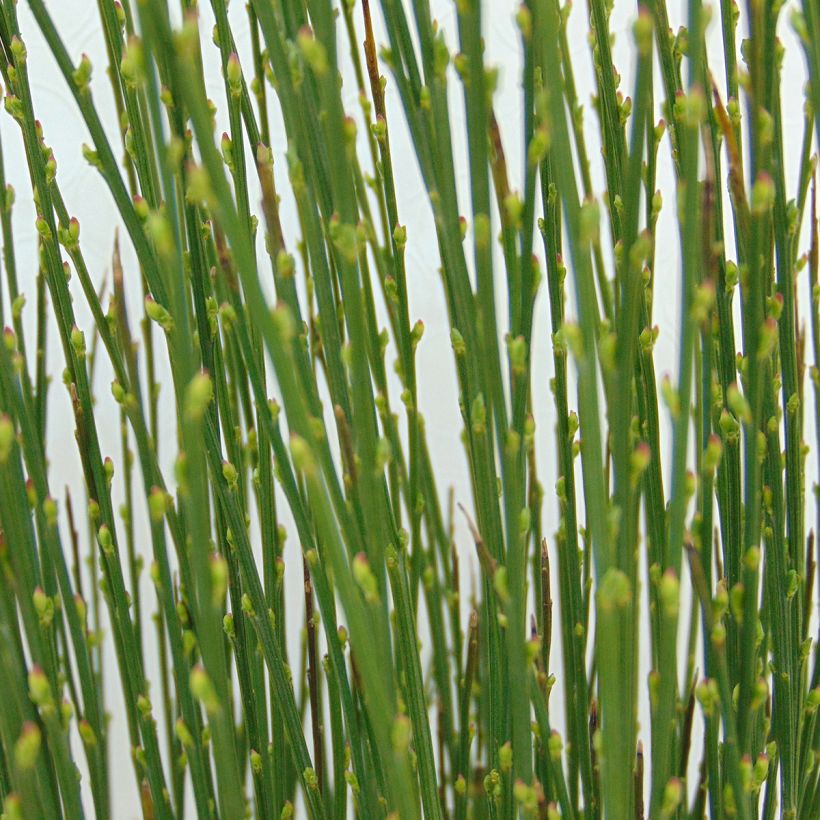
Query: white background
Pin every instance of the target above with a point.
(87, 198)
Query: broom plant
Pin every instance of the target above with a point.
(614, 617)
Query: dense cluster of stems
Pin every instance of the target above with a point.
(415, 695)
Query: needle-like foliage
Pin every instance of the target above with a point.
(651, 593)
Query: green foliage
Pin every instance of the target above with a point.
(410, 697)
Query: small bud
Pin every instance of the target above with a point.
(132, 65)
(640, 460)
(555, 747)
(105, 539)
(401, 733)
(760, 693)
(230, 474)
(18, 50)
(7, 437)
(672, 796)
(226, 146)
(345, 240)
(87, 734)
(738, 404)
(707, 694)
(219, 580)
(457, 342)
(492, 784)
(74, 230)
(233, 73)
(379, 128)
(400, 236)
(284, 322)
(247, 606)
(517, 350)
(50, 511)
(538, 147)
(505, 757)
(761, 770)
(751, 560)
(203, 690)
(302, 454)
(157, 313)
(384, 454)
(78, 342)
(364, 578)
(478, 415)
(16, 311)
(671, 397)
(118, 392)
(589, 222)
(27, 747)
(108, 469)
(141, 208)
(183, 734)
(39, 689)
(718, 635)
(44, 607)
(82, 74)
(523, 19)
(642, 32)
(349, 130)
(703, 302)
(615, 591)
(514, 209)
(691, 108)
(157, 504)
(159, 231)
(712, 454)
(763, 195)
(669, 593)
(198, 396)
(313, 51)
